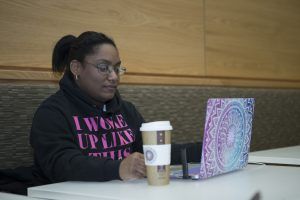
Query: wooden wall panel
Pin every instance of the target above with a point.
(253, 39)
(179, 42)
(156, 37)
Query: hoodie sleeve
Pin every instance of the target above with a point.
(137, 120)
(57, 154)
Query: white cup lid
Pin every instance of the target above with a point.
(156, 126)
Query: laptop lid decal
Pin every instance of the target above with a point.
(227, 135)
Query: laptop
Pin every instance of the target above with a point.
(226, 139)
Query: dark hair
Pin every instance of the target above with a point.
(70, 48)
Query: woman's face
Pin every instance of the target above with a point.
(100, 86)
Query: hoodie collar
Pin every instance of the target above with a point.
(71, 88)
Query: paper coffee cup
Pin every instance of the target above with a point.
(157, 151)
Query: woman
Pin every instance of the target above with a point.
(85, 131)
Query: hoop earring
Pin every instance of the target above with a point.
(76, 77)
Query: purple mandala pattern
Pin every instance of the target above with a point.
(227, 135)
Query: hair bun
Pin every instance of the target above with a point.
(61, 52)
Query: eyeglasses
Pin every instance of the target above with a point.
(106, 68)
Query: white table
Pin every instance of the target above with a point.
(8, 196)
(273, 182)
(286, 155)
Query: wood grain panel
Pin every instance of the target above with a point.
(253, 39)
(157, 37)
(246, 43)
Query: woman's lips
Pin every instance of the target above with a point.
(110, 88)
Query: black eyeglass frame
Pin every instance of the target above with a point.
(106, 68)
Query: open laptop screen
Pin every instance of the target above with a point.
(227, 135)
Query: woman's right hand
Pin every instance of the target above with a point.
(133, 167)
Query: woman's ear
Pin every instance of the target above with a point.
(75, 68)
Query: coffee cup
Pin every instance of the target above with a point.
(157, 151)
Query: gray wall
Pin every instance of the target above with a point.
(276, 120)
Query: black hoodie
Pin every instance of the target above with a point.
(75, 140)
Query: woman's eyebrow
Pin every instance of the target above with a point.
(103, 60)
(118, 63)
(107, 61)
